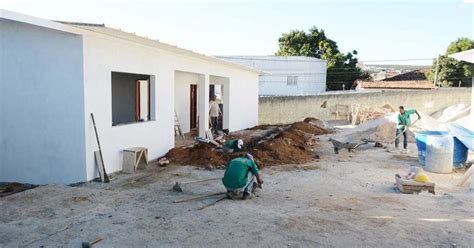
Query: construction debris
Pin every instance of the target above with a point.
(408, 186)
(7, 189)
(90, 244)
(163, 161)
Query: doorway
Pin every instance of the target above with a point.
(193, 106)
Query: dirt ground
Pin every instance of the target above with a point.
(344, 200)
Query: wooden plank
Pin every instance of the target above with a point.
(100, 166)
(410, 186)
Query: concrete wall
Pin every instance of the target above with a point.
(310, 73)
(103, 54)
(279, 110)
(41, 105)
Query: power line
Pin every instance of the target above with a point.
(309, 60)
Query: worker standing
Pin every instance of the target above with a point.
(242, 177)
(402, 125)
(214, 113)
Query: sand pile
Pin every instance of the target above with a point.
(451, 113)
(383, 129)
(271, 146)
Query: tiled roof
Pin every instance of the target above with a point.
(408, 84)
(416, 75)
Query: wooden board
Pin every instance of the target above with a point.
(100, 166)
(410, 186)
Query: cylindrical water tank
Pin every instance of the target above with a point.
(439, 153)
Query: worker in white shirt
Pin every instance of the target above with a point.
(214, 113)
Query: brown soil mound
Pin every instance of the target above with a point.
(291, 145)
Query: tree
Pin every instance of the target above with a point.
(342, 68)
(451, 71)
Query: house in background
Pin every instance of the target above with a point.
(54, 75)
(286, 75)
(412, 80)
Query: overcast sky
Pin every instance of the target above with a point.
(378, 30)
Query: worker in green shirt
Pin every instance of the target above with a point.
(403, 123)
(233, 145)
(242, 177)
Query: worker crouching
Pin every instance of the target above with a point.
(242, 177)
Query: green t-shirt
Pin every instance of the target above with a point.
(404, 119)
(235, 176)
(231, 144)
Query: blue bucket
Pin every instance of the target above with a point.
(459, 153)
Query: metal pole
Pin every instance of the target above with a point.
(435, 81)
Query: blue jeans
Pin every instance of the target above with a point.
(405, 138)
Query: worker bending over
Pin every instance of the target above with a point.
(233, 145)
(242, 177)
(402, 125)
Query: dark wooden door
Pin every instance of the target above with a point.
(193, 109)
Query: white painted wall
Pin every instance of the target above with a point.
(41, 105)
(103, 54)
(311, 73)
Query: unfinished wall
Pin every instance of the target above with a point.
(279, 110)
(41, 105)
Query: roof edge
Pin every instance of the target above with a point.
(62, 26)
(14, 16)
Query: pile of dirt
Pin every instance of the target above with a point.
(270, 145)
(294, 145)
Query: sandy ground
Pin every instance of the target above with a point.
(344, 200)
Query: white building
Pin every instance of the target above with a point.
(286, 76)
(54, 75)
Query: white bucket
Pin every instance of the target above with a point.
(439, 153)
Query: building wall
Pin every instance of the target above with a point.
(311, 74)
(103, 54)
(282, 110)
(41, 105)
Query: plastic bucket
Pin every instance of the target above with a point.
(420, 138)
(439, 153)
(460, 151)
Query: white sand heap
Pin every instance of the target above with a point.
(383, 129)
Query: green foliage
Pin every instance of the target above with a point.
(451, 71)
(342, 68)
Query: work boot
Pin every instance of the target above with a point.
(245, 196)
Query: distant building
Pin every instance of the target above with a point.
(393, 85)
(286, 75)
(415, 79)
(415, 75)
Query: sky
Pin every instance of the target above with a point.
(382, 32)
